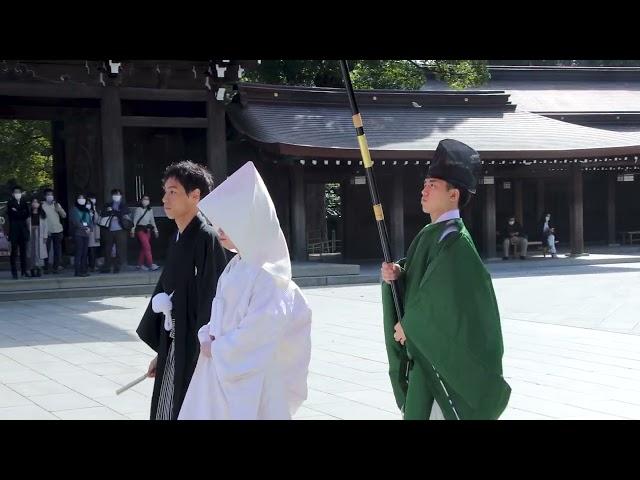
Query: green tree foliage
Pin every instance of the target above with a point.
(25, 155)
(371, 74)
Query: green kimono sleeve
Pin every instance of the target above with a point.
(396, 353)
(453, 323)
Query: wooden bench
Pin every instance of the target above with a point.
(630, 235)
(324, 246)
(534, 243)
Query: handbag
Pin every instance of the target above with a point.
(4, 243)
(144, 228)
(105, 222)
(126, 222)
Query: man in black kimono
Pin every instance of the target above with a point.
(195, 261)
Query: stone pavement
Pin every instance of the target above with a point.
(571, 334)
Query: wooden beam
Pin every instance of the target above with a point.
(164, 122)
(164, 94)
(56, 90)
(112, 144)
(344, 204)
(312, 151)
(75, 90)
(298, 214)
(518, 208)
(216, 139)
(60, 184)
(397, 215)
(611, 208)
(112, 148)
(489, 220)
(31, 112)
(321, 175)
(577, 218)
(540, 198)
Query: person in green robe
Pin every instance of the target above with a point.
(445, 356)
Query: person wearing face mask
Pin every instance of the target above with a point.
(514, 236)
(116, 220)
(81, 226)
(37, 245)
(54, 212)
(144, 224)
(549, 235)
(18, 212)
(94, 235)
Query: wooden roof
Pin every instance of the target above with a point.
(404, 125)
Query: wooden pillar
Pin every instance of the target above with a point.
(518, 209)
(540, 199)
(344, 236)
(113, 151)
(112, 145)
(489, 220)
(397, 214)
(298, 215)
(611, 209)
(216, 139)
(60, 184)
(577, 222)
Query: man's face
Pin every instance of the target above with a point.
(436, 197)
(176, 201)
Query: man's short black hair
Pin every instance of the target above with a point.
(47, 190)
(115, 191)
(191, 175)
(17, 187)
(465, 196)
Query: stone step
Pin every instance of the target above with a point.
(142, 283)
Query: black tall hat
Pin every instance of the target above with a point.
(456, 163)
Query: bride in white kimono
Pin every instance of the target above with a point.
(255, 351)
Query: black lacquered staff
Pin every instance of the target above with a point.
(371, 181)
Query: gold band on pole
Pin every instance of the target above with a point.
(364, 150)
(377, 211)
(357, 121)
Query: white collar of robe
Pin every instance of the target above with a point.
(242, 207)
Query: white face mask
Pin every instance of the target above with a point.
(49, 198)
(145, 203)
(17, 196)
(511, 222)
(82, 201)
(116, 198)
(547, 218)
